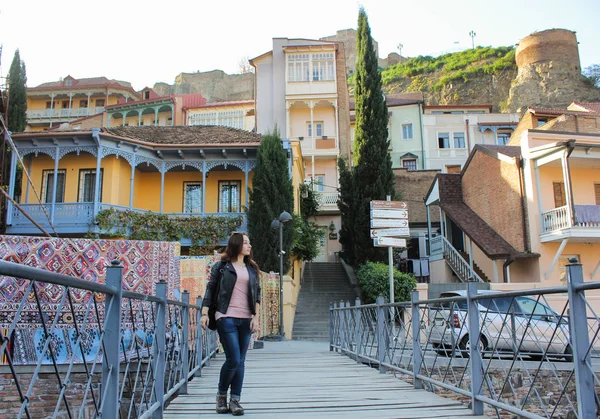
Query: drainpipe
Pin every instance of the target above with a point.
(468, 136)
(421, 131)
(505, 272)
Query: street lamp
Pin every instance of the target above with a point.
(284, 217)
(472, 35)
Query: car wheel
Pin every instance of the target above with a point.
(465, 345)
(569, 353)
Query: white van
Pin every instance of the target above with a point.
(506, 323)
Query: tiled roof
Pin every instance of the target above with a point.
(588, 106)
(507, 150)
(583, 122)
(200, 135)
(85, 82)
(555, 111)
(486, 238)
(450, 187)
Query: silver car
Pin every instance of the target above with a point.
(506, 323)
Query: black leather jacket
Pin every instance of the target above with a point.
(225, 272)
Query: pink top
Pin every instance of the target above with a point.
(238, 304)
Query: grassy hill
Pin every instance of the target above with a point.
(480, 75)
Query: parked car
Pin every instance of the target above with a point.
(506, 323)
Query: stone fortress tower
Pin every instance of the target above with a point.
(549, 72)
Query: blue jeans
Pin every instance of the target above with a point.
(234, 334)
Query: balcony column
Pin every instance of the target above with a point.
(52, 95)
(568, 188)
(133, 159)
(288, 129)
(156, 116)
(246, 180)
(54, 186)
(337, 122)
(312, 129)
(162, 187)
(482, 130)
(428, 229)
(29, 168)
(97, 185)
(203, 188)
(124, 118)
(11, 183)
(70, 103)
(495, 132)
(139, 118)
(172, 115)
(108, 121)
(89, 95)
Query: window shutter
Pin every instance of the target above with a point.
(559, 195)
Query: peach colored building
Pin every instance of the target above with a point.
(515, 214)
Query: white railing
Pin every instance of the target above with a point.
(327, 200)
(556, 219)
(64, 113)
(457, 263)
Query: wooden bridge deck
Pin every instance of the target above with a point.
(298, 379)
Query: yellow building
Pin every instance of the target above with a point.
(235, 114)
(54, 103)
(176, 170)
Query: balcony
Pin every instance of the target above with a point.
(76, 218)
(72, 113)
(558, 224)
(324, 146)
(327, 201)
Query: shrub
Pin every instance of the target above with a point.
(374, 280)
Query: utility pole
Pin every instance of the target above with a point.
(472, 35)
(400, 46)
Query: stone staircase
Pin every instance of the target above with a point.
(322, 284)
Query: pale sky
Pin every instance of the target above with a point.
(151, 41)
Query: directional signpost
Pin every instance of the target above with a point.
(389, 222)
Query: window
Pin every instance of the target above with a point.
(407, 131)
(453, 168)
(146, 94)
(48, 105)
(298, 67)
(68, 82)
(87, 185)
(443, 140)
(100, 102)
(192, 197)
(503, 138)
(65, 104)
(48, 185)
(559, 194)
(319, 183)
(229, 196)
(318, 129)
(322, 66)
(83, 103)
(459, 140)
(563, 261)
(410, 164)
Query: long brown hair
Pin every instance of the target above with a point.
(234, 248)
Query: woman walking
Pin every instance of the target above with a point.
(235, 288)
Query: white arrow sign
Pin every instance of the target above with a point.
(390, 232)
(389, 242)
(385, 222)
(388, 205)
(389, 214)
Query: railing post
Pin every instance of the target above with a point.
(580, 341)
(330, 327)
(185, 319)
(199, 333)
(474, 350)
(336, 337)
(112, 338)
(357, 329)
(159, 349)
(416, 341)
(381, 346)
(342, 326)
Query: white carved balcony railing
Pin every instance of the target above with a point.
(556, 219)
(586, 216)
(69, 213)
(457, 263)
(64, 113)
(327, 200)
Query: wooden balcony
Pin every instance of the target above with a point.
(72, 113)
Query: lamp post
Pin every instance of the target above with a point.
(472, 35)
(284, 217)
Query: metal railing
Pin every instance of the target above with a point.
(102, 351)
(501, 353)
(63, 113)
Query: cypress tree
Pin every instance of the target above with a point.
(17, 95)
(373, 178)
(271, 194)
(346, 206)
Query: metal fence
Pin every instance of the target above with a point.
(499, 353)
(129, 352)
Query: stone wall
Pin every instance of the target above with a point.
(215, 86)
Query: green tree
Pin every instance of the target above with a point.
(308, 233)
(271, 194)
(592, 73)
(373, 178)
(346, 206)
(17, 95)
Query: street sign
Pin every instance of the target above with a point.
(389, 213)
(389, 205)
(390, 232)
(389, 242)
(386, 222)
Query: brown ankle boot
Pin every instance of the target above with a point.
(222, 403)
(235, 408)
